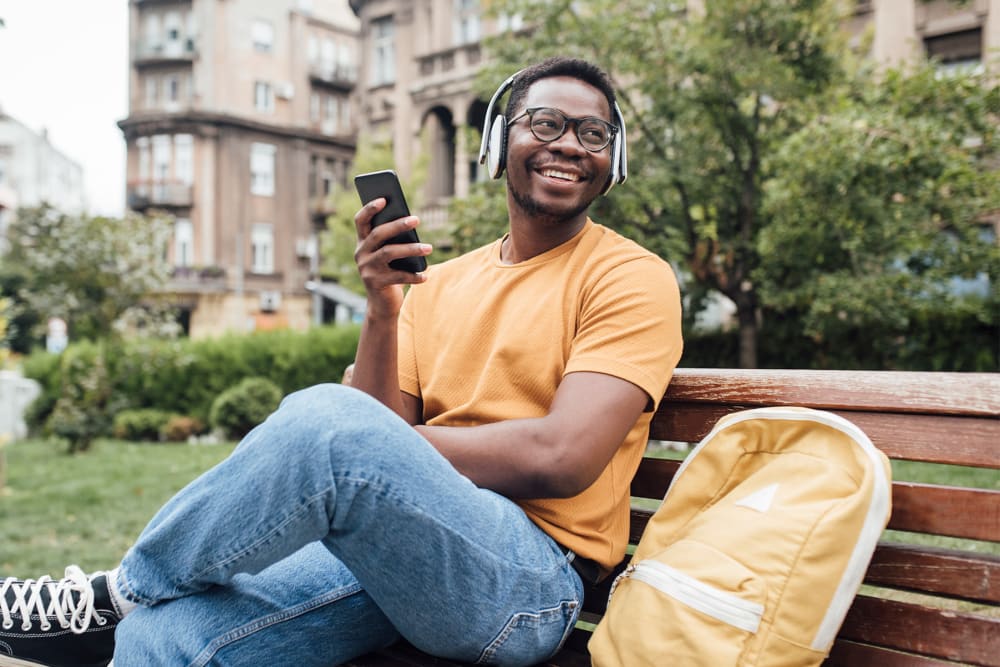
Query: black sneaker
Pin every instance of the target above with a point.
(67, 623)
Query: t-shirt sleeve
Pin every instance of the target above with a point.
(409, 380)
(630, 326)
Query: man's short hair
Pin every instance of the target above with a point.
(559, 66)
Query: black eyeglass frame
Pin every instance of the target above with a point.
(530, 113)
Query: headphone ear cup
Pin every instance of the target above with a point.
(496, 151)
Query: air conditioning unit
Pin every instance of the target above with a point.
(270, 301)
(284, 90)
(305, 248)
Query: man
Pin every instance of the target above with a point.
(460, 509)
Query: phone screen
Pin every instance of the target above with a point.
(386, 184)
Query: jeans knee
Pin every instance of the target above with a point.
(140, 640)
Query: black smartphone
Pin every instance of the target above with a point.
(386, 184)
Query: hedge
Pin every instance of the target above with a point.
(184, 376)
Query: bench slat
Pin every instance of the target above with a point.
(937, 438)
(921, 508)
(956, 574)
(946, 510)
(881, 391)
(851, 654)
(950, 635)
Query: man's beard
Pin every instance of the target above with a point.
(536, 210)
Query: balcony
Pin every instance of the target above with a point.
(342, 77)
(197, 279)
(161, 53)
(159, 194)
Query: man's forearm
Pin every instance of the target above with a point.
(376, 366)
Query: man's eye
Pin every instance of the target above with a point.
(546, 123)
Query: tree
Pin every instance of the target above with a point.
(340, 239)
(894, 184)
(708, 96)
(90, 271)
(717, 100)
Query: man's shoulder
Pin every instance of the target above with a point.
(612, 246)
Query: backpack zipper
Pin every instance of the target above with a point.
(720, 605)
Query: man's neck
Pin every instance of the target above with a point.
(531, 237)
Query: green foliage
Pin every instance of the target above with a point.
(184, 377)
(480, 218)
(90, 271)
(893, 186)
(140, 424)
(771, 169)
(86, 399)
(340, 239)
(238, 409)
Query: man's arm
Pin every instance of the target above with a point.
(555, 456)
(375, 365)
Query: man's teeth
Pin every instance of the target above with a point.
(553, 173)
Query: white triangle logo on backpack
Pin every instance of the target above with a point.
(761, 499)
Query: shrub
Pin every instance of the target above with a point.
(86, 399)
(141, 424)
(185, 376)
(238, 409)
(179, 428)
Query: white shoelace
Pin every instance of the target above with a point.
(72, 612)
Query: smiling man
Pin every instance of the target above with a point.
(459, 494)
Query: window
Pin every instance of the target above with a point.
(263, 97)
(184, 158)
(510, 22)
(466, 21)
(956, 51)
(161, 166)
(262, 169)
(314, 107)
(142, 143)
(152, 88)
(171, 91)
(312, 49)
(262, 248)
(384, 56)
(154, 40)
(183, 242)
(262, 35)
(173, 44)
(330, 114)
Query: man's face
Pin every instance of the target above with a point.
(558, 180)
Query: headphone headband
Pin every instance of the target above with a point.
(493, 149)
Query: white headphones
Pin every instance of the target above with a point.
(493, 150)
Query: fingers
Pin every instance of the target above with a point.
(374, 252)
(363, 218)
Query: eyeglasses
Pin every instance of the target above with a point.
(549, 124)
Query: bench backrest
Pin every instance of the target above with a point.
(929, 599)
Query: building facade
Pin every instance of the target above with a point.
(34, 172)
(419, 59)
(240, 125)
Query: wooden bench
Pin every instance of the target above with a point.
(922, 605)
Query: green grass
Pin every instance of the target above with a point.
(87, 509)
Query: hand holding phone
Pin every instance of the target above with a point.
(386, 184)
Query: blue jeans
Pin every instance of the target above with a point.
(333, 529)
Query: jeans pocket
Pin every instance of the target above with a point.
(531, 636)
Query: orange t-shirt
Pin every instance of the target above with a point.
(482, 342)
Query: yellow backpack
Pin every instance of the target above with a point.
(758, 549)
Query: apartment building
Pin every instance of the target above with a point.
(419, 58)
(34, 172)
(240, 125)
